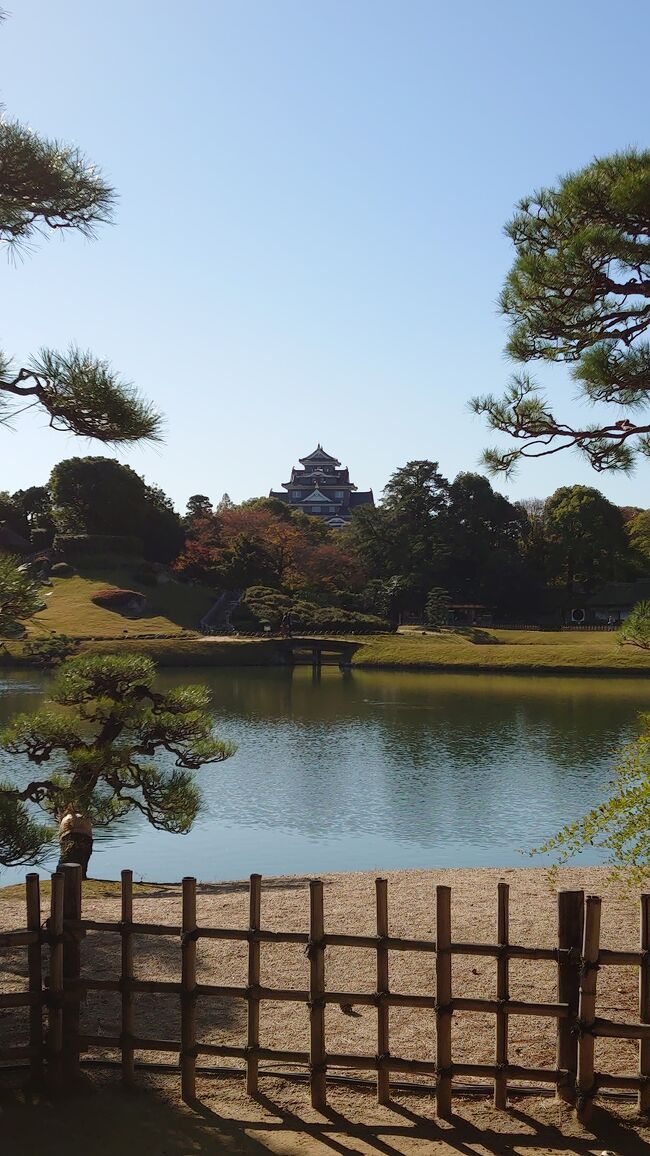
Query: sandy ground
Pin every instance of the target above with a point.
(285, 1123)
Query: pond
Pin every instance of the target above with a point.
(366, 770)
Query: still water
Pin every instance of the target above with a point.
(364, 770)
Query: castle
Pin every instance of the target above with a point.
(323, 489)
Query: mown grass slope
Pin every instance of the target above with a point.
(487, 649)
(174, 607)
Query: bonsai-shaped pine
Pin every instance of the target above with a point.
(635, 631)
(620, 825)
(114, 744)
(578, 293)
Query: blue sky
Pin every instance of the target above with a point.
(308, 244)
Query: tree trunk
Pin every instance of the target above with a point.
(75, 841)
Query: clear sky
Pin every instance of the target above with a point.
(308, 244)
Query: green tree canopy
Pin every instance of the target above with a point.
(113, 744)
(198, 506)
(638, 529)
(579, 293)
(97, 495)
(587, 542)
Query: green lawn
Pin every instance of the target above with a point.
(175, 607)
(487, 649)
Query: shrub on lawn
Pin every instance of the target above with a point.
(261, 606)
(122, 601)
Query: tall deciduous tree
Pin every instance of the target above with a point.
(96, 495)
(638, 529)
(586, 537)
(579, 293)
(113, 744)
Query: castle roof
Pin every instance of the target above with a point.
(319, 455)
(316, 496)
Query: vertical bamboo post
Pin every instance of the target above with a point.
(188, 991)
(316, 951)
(128, 1021)
(644, 1003)
(570, 930)
(503, 993)
(55, 1010)
(72, 874)
(443, 1000)
(253, 1037)
(383, 1011)
(35, 970)
(587, 1007)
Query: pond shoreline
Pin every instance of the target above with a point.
(511, 652)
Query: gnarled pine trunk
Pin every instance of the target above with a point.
(75, 839)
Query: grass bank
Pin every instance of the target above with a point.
(526, 651)
(516, 651)
(175, 609)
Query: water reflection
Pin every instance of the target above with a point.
(365, 769)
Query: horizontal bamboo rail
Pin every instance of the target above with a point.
(577, 957)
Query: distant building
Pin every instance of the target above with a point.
(323, 489)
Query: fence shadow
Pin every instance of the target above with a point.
(103, 1119)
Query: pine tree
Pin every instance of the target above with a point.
(115, 744)
(579, 293)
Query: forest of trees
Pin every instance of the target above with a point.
(460, 537)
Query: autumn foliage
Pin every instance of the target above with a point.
(264, 543)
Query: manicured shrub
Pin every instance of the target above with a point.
(122, 601)
(262, 605)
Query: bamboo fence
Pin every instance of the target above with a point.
(56, 1053)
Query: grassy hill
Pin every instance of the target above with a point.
(174, 607)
